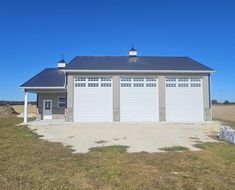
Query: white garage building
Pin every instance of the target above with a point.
(123, 89)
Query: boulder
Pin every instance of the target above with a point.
(228, 134)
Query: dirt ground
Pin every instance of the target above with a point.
(224, 112)
(7, 111)
(20, 108)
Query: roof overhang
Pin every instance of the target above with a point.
(137, 71)
(46, 88)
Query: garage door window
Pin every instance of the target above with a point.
(93, 79)
(183, 79)
(138, 79)
(151, 79)
(125, 84)
(183, 85)
(138, 84)
(170, 85)
(195, 85)
(93, 84)
(105, 84)
(80, 84)
(105, 78)
(80, 79)
(125, 79)
(195, 79)
(171, 79)
(183, 82)
(151, 85)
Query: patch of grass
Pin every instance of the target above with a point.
(115, 149)
(26, 162)
(203, 145)
(175, 148)
(200, 145)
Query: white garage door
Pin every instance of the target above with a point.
(93, 99)
(139, 99)
(184, 99)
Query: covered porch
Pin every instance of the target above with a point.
(51, 103)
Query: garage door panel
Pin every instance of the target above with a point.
(184, 99)
(93, 104)
(139, 103)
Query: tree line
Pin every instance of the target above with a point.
(4, 103)
(226, 102)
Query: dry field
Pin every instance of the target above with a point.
(224, 112)
(219, 111)
(20, 108)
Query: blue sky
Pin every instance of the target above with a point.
(34, 34)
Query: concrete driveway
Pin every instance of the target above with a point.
(137, 137)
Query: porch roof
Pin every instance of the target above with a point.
(49, 78)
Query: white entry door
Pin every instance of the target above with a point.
(139, 99)
(93, 99)
(47, 109)
(184, 99)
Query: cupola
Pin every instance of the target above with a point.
(61, 63)
(132, 52)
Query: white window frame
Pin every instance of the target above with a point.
(58, 102)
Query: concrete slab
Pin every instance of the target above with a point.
(148, 137)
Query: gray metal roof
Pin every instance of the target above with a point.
(49, 77)
(54, 77)
(135, 63)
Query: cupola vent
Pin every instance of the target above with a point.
(61, 63)
(132, 52)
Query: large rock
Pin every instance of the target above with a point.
(228, 134)
(7, 111)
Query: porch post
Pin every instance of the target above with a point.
(25, 106)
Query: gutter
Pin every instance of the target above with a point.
(136, 71)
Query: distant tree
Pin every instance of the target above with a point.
(214, 102)
(226, 102)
